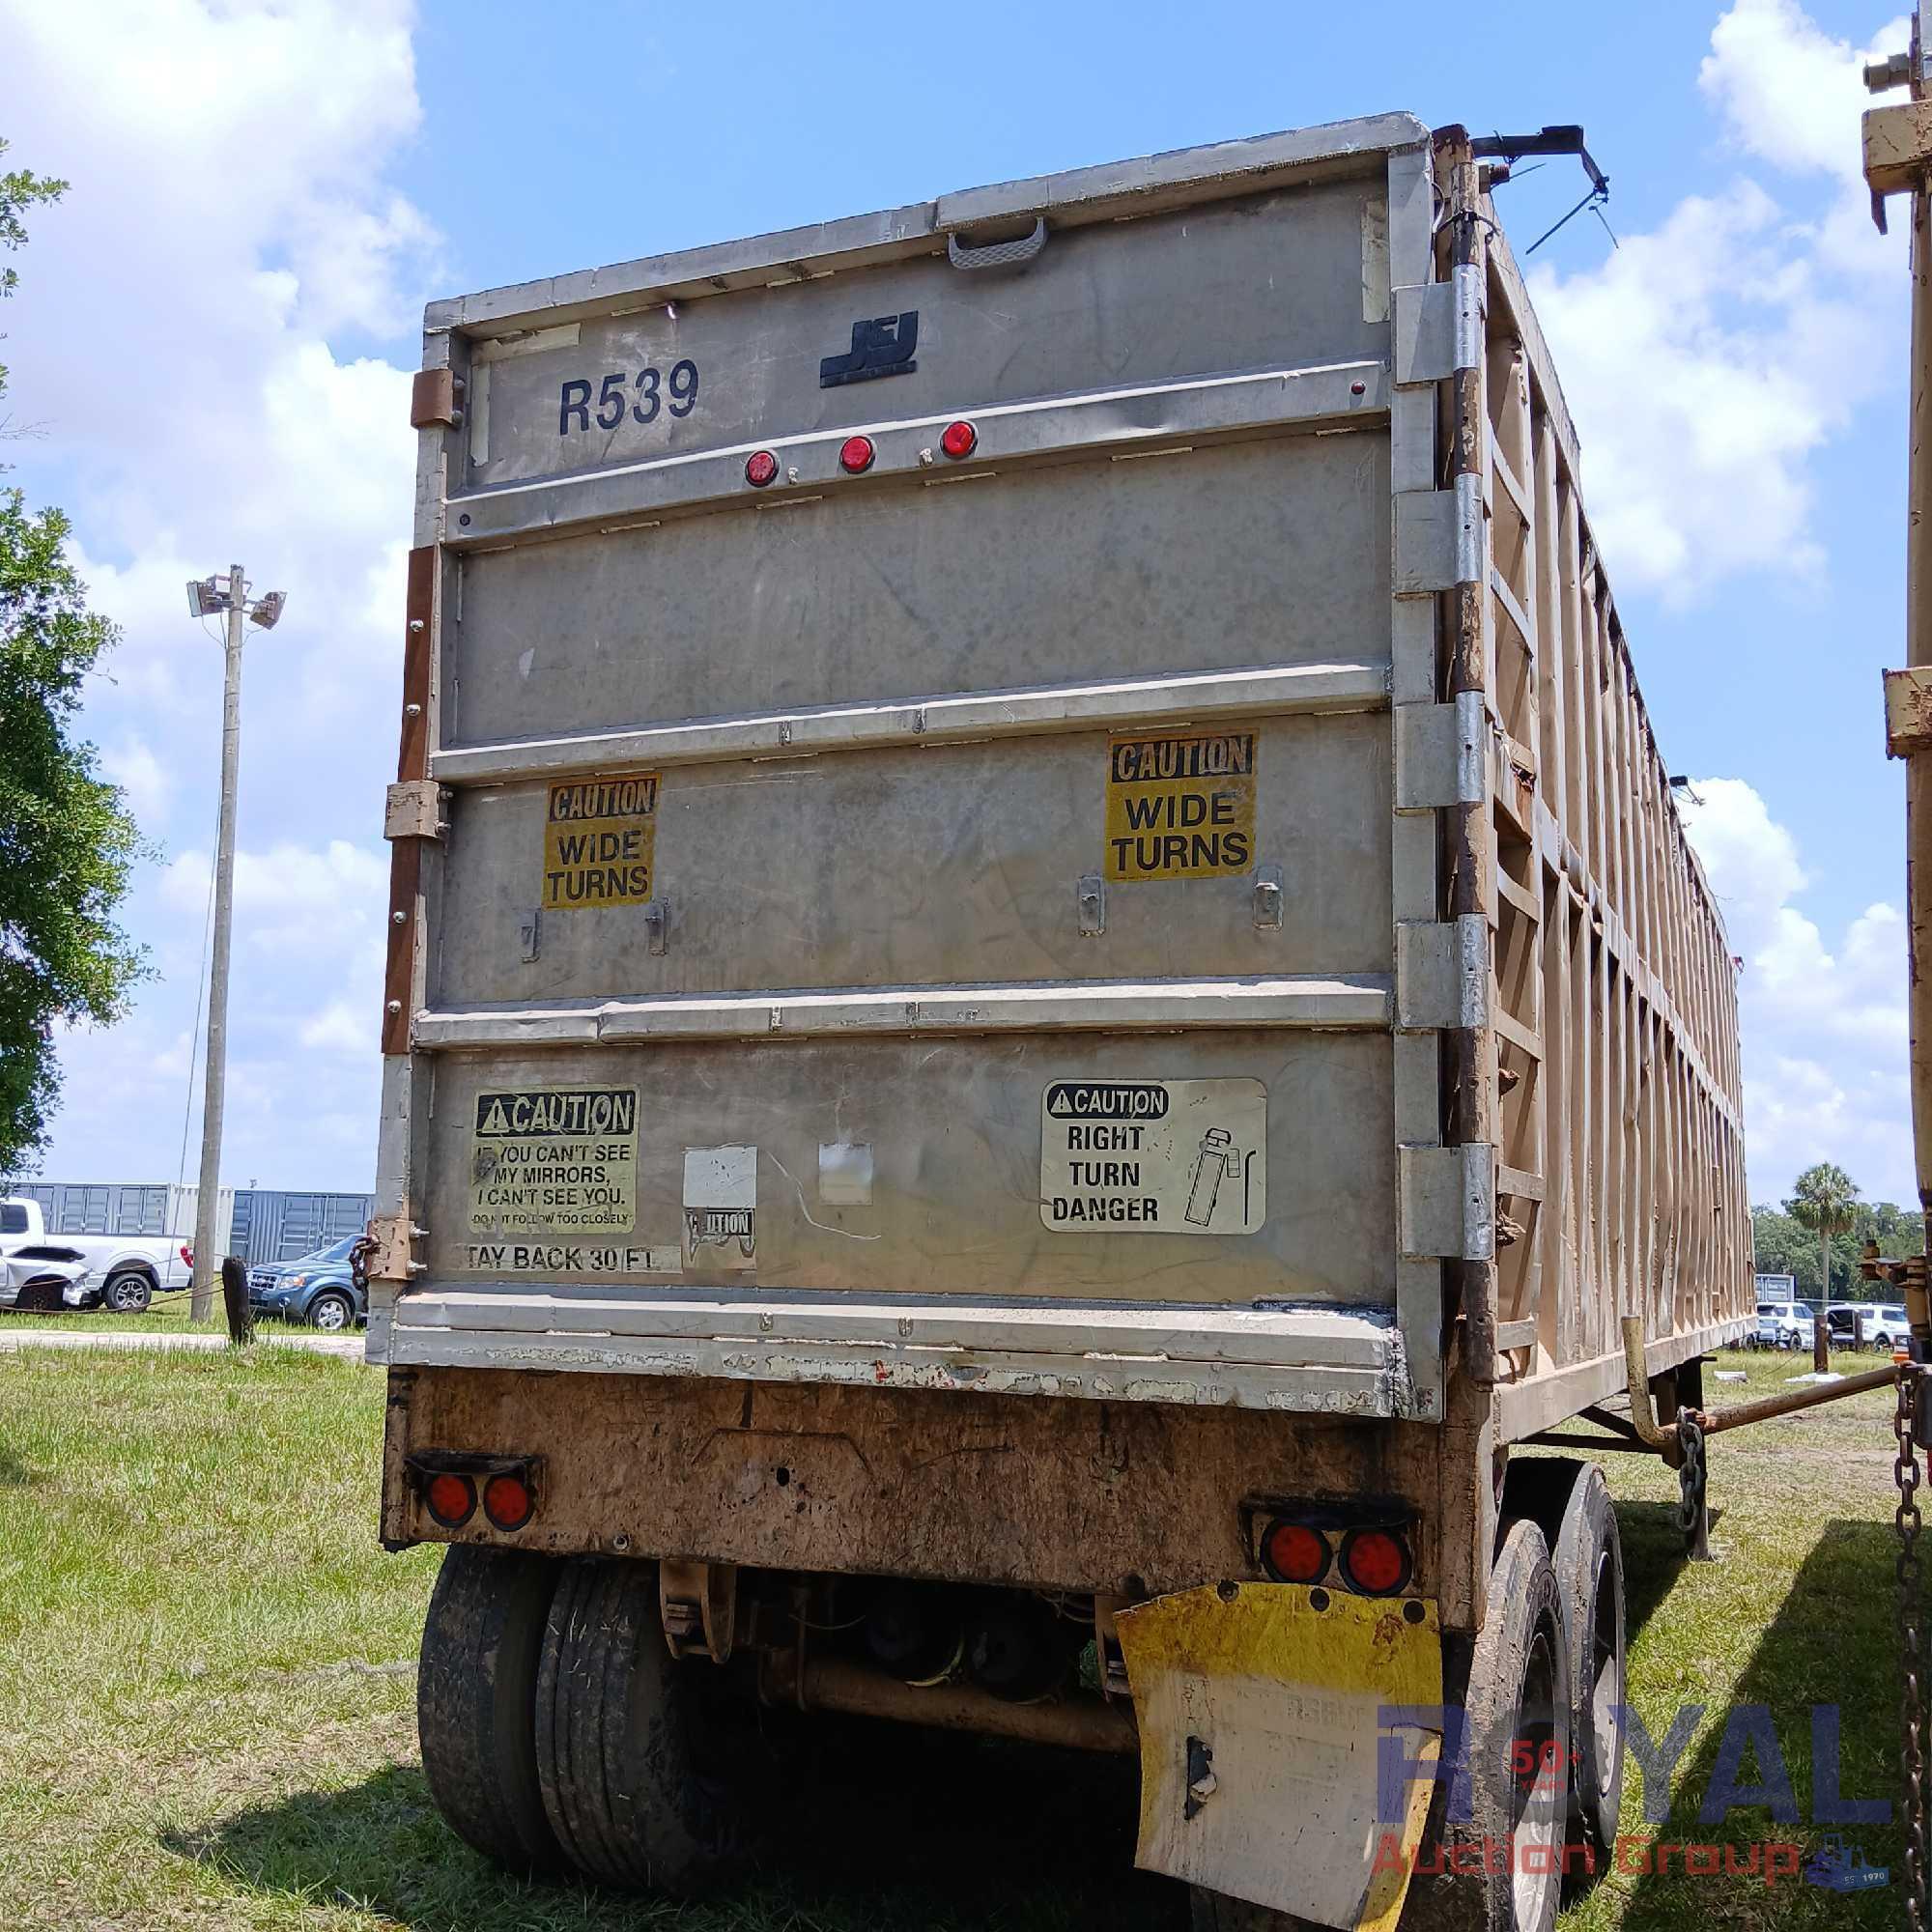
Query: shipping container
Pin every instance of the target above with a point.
(277, 1224)
(117, 1207)
(1039, 952)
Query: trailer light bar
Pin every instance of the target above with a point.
(1291, 1553)
(451, 1498)
(1374, 1562)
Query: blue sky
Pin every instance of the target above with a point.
(214, 336)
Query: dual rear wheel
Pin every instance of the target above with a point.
(558, 1731)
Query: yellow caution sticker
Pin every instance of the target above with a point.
(1180, 808)
(555, 1160)
(600, 842)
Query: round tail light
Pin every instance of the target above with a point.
(1374, 1562)
(855, 455)
(507, 1501)
(760, 466)
(451, 1499)
(1294, 1554)
(960, 438)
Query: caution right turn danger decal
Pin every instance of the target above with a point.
(1153, 1156)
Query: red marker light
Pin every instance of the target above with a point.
(1294, 1554)
(1374, 1562)
(507, 1501)
(960, 438)
(760, 467)
(451, 1499)
(855, 455)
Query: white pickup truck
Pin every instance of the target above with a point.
(123, 1273)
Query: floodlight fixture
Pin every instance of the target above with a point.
(267, 609)
(207, 597)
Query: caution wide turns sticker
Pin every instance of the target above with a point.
(1153, 1156)
(600, 839)
(555, 1161)
(1180, 808)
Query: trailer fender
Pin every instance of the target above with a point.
(1262, 1709)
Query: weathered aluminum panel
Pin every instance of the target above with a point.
(1038, 577)
(808, 1076)
(1183, 300)
(904, 868)
(954, 1128)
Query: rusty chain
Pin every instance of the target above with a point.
(1910, 1640)
(1689, 1474)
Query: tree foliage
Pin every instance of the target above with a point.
(67, 844)
(19, 190)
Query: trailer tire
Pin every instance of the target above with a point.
(476, 1703)
(1517, 1694)
(616, 1733)
(1569, 1501)
(1589, 1564)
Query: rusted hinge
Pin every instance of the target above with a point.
(415, 810)
(1908, 711)
(389, 1257)
(436, 399)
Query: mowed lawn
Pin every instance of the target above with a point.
(206, 1689)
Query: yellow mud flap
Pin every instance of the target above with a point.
(1260, 1720)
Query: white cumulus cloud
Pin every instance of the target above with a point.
(1823, 1019)
(1708, 360)
(212, 332)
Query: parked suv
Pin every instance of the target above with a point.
(1884, 1324)
(317, 1289)
(1784, 1324)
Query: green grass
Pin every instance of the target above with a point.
(169, 1313)
(207, 1692)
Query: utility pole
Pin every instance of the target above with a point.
(205, 598)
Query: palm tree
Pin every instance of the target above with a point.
(1826, 1200)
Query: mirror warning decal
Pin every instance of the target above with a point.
(600, 839)
(555, 1160)
(1153, 1156)
(1180, 808)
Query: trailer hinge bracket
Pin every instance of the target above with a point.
(436, 399)
(392, 1235)
(1442, 972)
(1438, 328)
(1908, 711)
(1440, 753)
(1439, 538)
(1448, 1202)
(414, 810)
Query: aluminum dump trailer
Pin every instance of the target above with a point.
(1039, 953)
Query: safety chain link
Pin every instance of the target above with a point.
(1689, 1474)
(358, 1267)
(1910, 1643)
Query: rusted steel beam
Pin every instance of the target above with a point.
(1075, 1723)
(1773, 1406)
